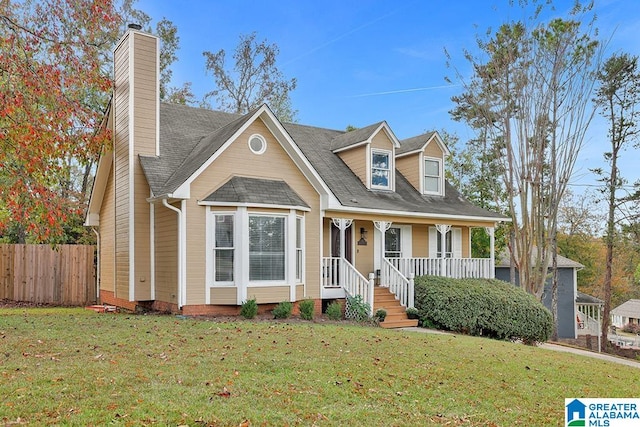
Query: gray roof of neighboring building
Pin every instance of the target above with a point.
(630, 308)
(256, 191)
(582, 298)
(189, 136)
(503, 260)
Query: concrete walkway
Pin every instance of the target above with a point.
(553, 347)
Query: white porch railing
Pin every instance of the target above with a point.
(338, 272)
(588, 319)
(459, 268)
(398, 284)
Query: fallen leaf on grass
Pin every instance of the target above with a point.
(224, 393)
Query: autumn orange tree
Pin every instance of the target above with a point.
(55, 85)
(53, 92)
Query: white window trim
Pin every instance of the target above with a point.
(389, 153)
(300, 280)
(440, 192)
(210, 243)
(262, 139)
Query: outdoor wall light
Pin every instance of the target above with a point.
(363, 235)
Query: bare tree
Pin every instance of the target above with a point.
(618, 97)
(530, 95)
(254, 79)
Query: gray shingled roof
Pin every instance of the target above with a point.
(346, 139)
(503, 261)
(630, 308)
(256, 191)
(582, 298)
(189, 136)
(414, 143)
(182, 129)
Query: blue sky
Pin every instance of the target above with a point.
(360, 62)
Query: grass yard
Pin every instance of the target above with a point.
(76, 367)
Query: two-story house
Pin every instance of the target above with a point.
(199, 210)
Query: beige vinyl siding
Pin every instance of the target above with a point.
(364, 254)
(299, 292)
(409, 167)
(381, 141)
(356, 159)
(433, 150)
(107, 234)
(166, 254)
(121, 162)
(268, 294)
(326, 236)
(420, 241)
(145, 107)
(466, 243)
(145, 92)
(135, 135)
(238, 159)
(224, 296)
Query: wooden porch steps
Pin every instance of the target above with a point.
(396, 315)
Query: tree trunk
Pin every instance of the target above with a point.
(606, 315)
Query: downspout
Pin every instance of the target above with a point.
(98, 263)
(181, 256)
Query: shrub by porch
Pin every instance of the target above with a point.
(485, 307)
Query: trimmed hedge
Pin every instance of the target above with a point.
(484, 307)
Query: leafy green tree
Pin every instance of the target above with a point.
(618, 97)
(254, 79)
(528, 98)
(474, 171)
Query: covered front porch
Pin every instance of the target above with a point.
(362, 254)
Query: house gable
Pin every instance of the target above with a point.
(421, 160)
(369, 153)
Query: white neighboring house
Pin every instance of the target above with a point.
(625, 313)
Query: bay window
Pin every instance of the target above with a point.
(266, 247)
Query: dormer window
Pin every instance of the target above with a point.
(432, 176)
(381, 169)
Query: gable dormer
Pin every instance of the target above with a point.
(421, 160)
(370, 153)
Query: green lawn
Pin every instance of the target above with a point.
(76, 367)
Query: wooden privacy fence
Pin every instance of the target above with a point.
(64, 275)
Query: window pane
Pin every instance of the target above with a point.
(431, 184)
(380, 178)
(224, 265)
(392, 248)
(448, 252)
(224, 231)
(266, 248)
(380, 169)
(431, 168)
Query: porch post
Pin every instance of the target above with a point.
(492, 263)
(383, 226)
(443, 229)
